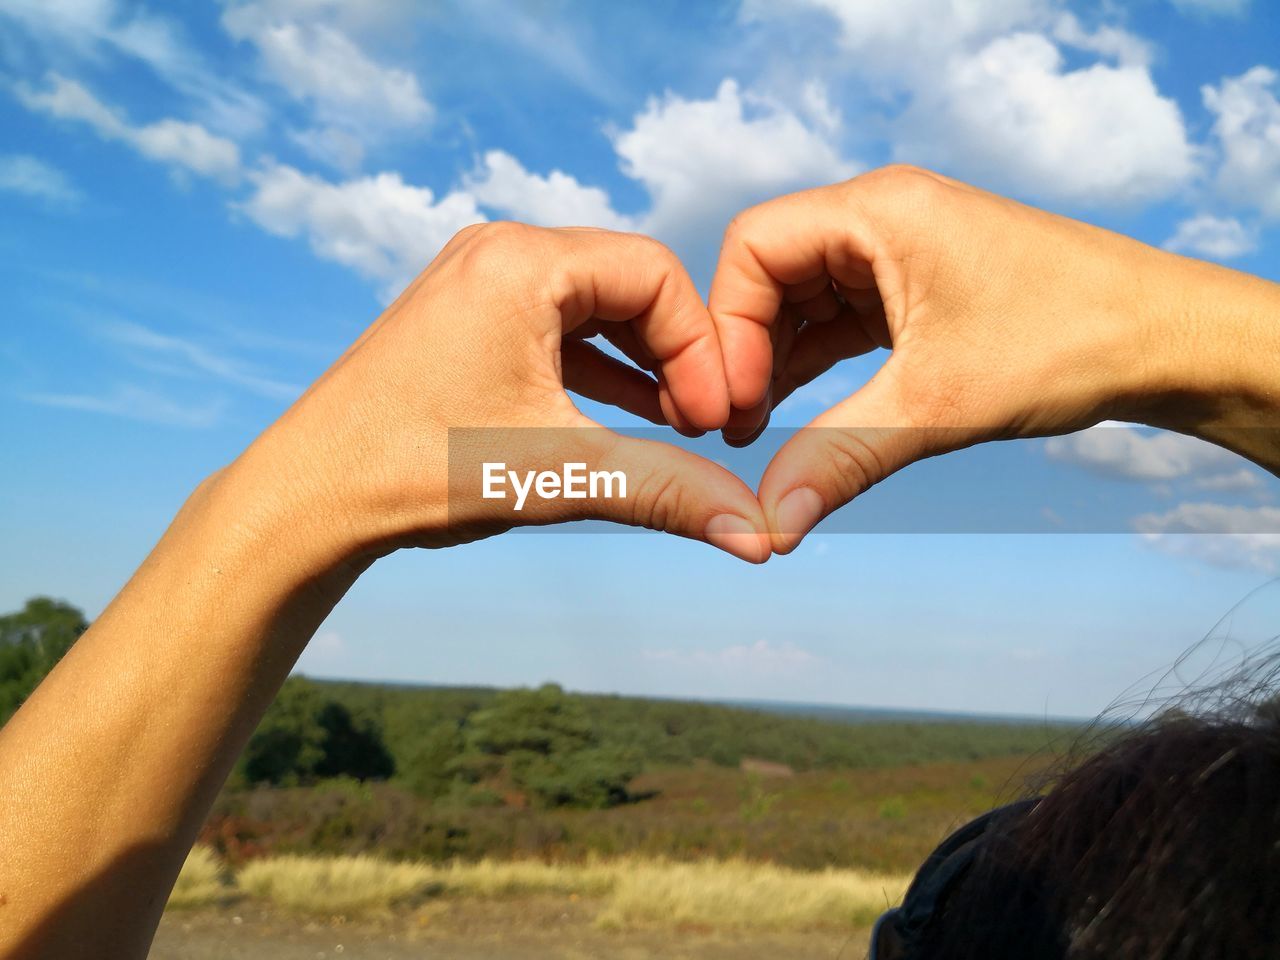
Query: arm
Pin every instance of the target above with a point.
(1004, 321)
(109, 768)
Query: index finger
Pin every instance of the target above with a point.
(617, 277)
(788, 242)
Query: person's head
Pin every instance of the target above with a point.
(1164, 844)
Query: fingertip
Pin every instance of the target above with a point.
(795, 514)
(745, 426)
(691, 413)
(748, 363)
(739, 537)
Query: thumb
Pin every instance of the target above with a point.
(840, 454)
(678, 492)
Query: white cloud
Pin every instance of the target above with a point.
(1125, 453)
(182, 145)
(558, 199)
(1213, 518)
(305, 47)
(25, 174)
(990, 96)
(385, 229)
(1247, 129)
(1106, 41)
(1218, 238)
(1241, 480)
(1012, 112)
(701, 161)
(1231, 8)
(1238, 537)
(134, 403)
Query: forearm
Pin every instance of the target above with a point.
(1214, 359)
(110, 767)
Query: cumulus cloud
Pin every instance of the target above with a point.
(1218, 238)
(1124, 453)
(700, 161)
(1247, 129)
(181, 145)
(703, 160)
(1012, 112)
(1239, 537)
(557, 199)
(380, 226)
(33, 177)
(1107, 41)
(992, 97)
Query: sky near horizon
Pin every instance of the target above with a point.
(204, 203)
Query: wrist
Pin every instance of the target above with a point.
(1212, 336)
(264, 511)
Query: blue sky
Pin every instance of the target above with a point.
(202, 204)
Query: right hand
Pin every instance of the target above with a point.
(489, 337)
(1004, 321)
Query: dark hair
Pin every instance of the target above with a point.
(1163, 844)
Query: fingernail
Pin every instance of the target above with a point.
(736, 535)
(797, 513)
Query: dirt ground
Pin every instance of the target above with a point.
(534, 929)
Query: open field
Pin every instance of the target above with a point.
(738, 834)
(622, 894)
(292, 907)
(884, 819)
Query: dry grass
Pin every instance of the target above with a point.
(497, 878)
(201, 880)
(335, 885)
(740, 895)
(631, 892)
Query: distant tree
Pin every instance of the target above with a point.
(544, 721)
(305, 737)
(32, 641)
(548, 748)
(428, 765)
(351, 747)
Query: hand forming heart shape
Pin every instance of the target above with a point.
(1003, 320)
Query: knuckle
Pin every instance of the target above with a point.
(902, 179)
(742, 225)
(655, 249)
(854, 462)
(657, 501)
(489, 245)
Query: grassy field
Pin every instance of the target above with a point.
(742, 834)
(882, 819)
(707, 850)
(624, 894)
